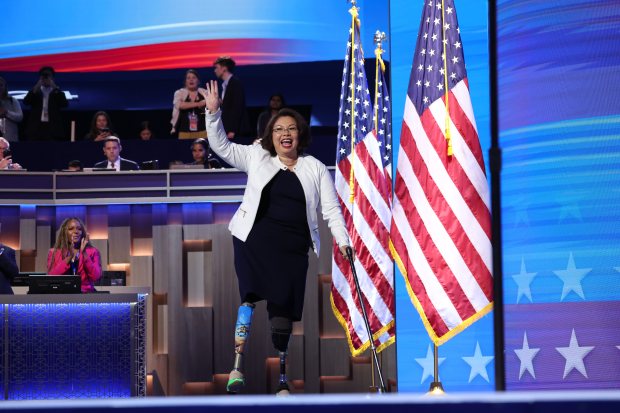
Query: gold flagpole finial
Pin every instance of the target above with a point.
(354, 10)
(379, 38)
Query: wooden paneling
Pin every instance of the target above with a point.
(184, 253)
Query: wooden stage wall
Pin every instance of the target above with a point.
(183, 252)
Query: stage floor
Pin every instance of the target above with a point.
(543, 402)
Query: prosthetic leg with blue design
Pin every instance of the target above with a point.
(281, 329)
(236, 380)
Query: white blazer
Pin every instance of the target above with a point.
(261, 167)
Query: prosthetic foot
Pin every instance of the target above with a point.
(236, 379)
(281, 329)
(283, 389)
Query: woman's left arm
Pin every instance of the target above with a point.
(330, 207)
(91, 263)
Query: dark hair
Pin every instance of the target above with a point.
(303, 131)
(47, 70)
(75, 164)
(144, 125)
(192, 71)
(227, 62)
(93, 123)
(276, 95)
(5, 93)
(204, 143)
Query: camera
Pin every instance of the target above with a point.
(6, 152)
(104, 130)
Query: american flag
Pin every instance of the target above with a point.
(365, 197)
(441, 227)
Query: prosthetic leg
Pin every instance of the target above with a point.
(236, 380)
(281, 328)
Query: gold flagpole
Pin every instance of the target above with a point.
(445, 79)
(378, 38)
(436, 389)
(354, 22)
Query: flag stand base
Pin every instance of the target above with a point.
(436, 389)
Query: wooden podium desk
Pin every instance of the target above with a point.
(71, 346)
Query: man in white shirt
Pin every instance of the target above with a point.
(112, 150)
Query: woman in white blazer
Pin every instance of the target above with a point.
(276, 223)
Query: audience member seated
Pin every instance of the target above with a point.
(145, 131)
(100, 127)
(276, 102)
(112, 150)
(6, 156)
(46, 100)
(10, 113)
(73, 254)
(201, 155)
(188, 113)
(74, 166)
(8, 268)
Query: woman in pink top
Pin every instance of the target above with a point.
(73, 254)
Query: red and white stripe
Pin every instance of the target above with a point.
(441, 228)
(368, 220)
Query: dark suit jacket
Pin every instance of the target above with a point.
(8, 269)
(126, 165)
(57, 101)
(234, 117)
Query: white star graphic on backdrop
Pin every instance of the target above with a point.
(571, 277)
(569, 207)
(523, 280)
(574, 355)
(521, 216)
(428, 364)
(526, 357)
(478, 364)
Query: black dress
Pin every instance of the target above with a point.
(272, 263)
(183, 123)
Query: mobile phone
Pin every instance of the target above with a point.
(6, 152)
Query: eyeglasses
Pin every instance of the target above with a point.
(279, 130)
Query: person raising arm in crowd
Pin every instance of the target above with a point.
(46, 100)
(73, 254)
(275, 225)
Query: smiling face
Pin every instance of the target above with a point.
(74, 232)
(285, 137)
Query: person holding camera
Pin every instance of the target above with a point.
(10, 113)
(46, 101)
(100, 127)
(6, 156)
